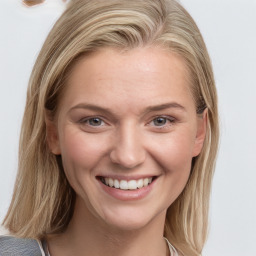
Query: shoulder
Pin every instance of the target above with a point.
(12, 246)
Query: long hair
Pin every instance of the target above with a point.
(43, 200)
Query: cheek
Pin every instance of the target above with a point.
(175, 158)
(175, 151)
(80, 154)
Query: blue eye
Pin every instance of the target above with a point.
(160, 121)
(95, 121)
(93, 124)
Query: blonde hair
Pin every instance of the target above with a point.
(43, 200)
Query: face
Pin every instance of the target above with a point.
(127, 131)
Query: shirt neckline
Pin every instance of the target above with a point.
(45, 252)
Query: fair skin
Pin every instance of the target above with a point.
(128, 117)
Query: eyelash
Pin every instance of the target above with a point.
(88, 119)
(167, 119)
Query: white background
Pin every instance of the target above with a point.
(229, 29)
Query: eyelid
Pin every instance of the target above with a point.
(85, 119)
(171, 120)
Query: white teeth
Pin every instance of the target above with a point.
(110, 182)
(116, 184)
(132, 184)
(125, 185)
(140, 183)
(145, 182)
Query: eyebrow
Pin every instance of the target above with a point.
(147, 109)
(165, 106)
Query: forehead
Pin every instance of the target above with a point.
(143, 59)
(151, 74)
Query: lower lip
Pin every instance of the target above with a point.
(128, 195)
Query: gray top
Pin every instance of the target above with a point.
(12, 246)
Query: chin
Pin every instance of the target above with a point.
(130, 219)
(127, 224)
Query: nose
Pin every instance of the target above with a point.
(128, 150)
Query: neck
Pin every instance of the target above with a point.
(89, 235)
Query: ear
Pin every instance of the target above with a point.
(202, 121)
(52, 134)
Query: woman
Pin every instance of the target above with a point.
(119, 135)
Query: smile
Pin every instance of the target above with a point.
(126, 184)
